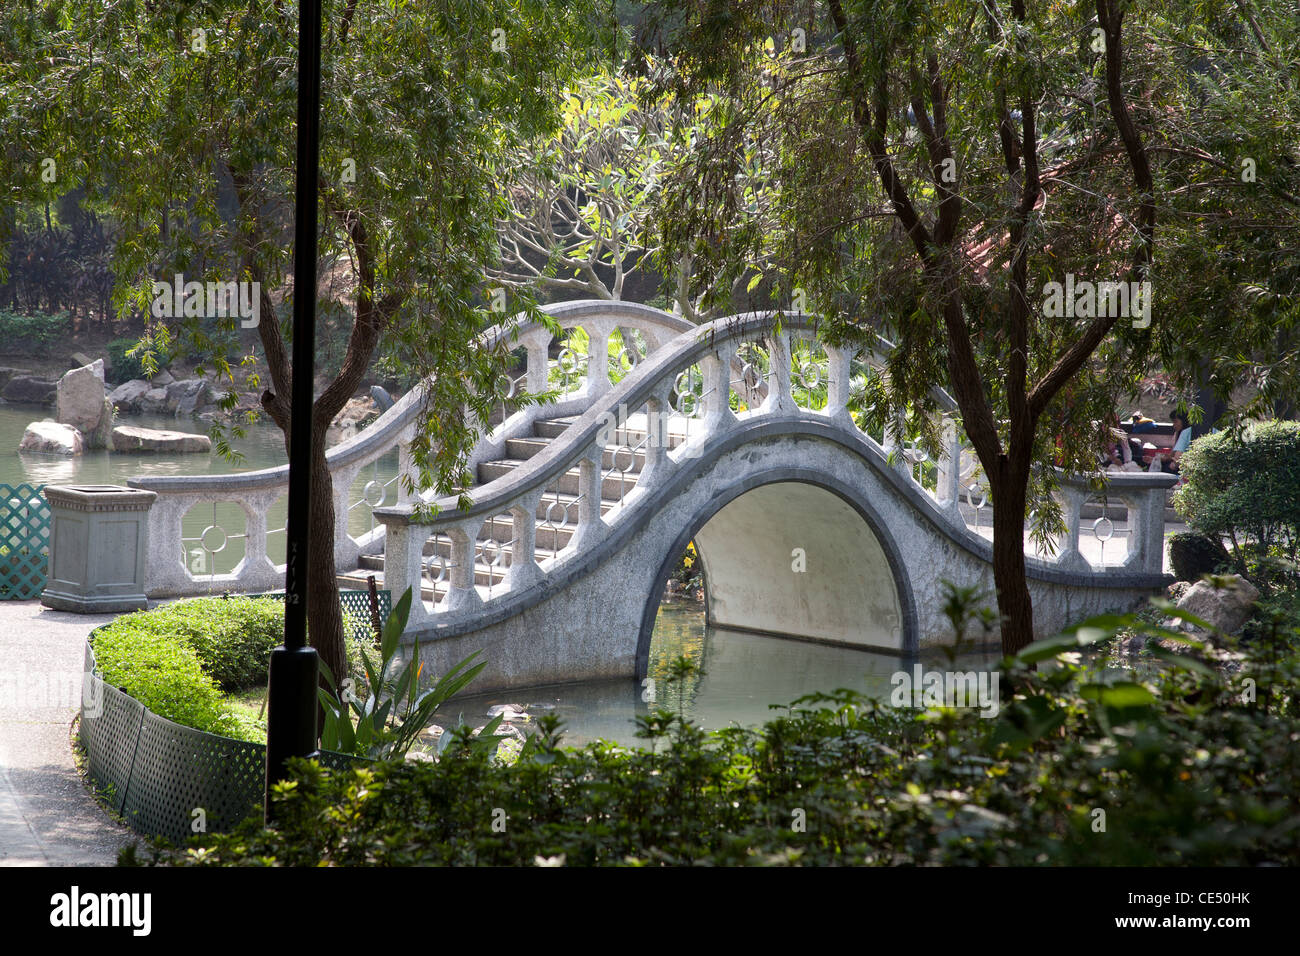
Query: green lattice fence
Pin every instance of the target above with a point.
(24, 541)
(356, 604)
(158, 774)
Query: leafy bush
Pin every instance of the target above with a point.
(1192, 554)
(1247, 490)
(20, 333)
(1185, 767)
(165, 674)
(232, 637)
(688, 571)
(124, 367)
(388, 729)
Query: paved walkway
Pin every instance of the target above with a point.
(47, 815)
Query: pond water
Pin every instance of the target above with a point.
(743, 675)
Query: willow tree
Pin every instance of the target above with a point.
(180, 116)
(937, 164)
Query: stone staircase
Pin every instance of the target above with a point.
(492, 560)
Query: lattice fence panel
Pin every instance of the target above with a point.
(356, 604)
(24, 541)
(157, 773)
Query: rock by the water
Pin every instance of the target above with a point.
(81, 397)
(26, 389)
(1227, 608)
(81, 358)
(187, 396)
(52, 438)
(6, 373)
(102, 435)
(130, 438)
(128, 396)
(154, 401)
(163, 378)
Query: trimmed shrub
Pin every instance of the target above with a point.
(1192, 555)
(232, 637)
(163, 673)
(1247, 490)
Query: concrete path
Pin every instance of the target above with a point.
(47, 815)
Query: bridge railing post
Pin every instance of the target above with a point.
(591, 528)
(404, 560)
(1072, 500)
(1146, 522)
(839, 373)
(716, 369)
(462, 594)
(656, 463)
(949, 466)
(598, 336)
(523, 556)
(780, 400)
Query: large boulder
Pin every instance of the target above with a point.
(1227, 608)
(154, 401)
(187, 396)
(162, 378)
(29, 390)
(6, 373)
(52, 438)
(129, 395)
(81, 397)
(130, 438)
(102, 435)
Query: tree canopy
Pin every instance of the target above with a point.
(181, 117)
(936, 164)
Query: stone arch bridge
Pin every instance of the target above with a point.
(743, 435)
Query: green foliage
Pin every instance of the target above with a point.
(1192, 555)
(1246, 487)
(1186, 766)
(689, 570)
(231, 637)
(32, 333)
(165, 674)
(123, 364)
(386, 722)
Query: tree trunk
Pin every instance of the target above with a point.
(1015, 607)
(324, 614)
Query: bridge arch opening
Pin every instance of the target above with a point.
(796, 558)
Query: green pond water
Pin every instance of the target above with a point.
(742, 673)
(742, 676)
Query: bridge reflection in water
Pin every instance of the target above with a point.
(743, 673)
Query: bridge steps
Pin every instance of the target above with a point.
(500, 529)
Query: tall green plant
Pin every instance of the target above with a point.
(386, 722)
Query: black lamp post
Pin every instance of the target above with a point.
(291, 707)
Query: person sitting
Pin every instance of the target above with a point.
(1167, 461)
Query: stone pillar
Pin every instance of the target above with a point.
(98, 546)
